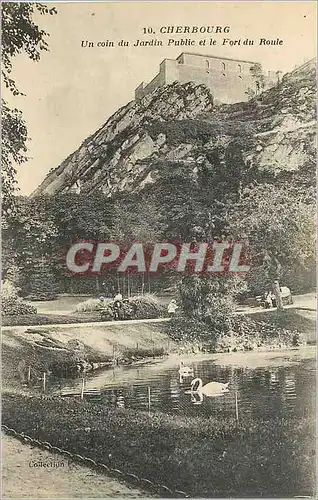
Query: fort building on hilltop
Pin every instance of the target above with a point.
(229, 80)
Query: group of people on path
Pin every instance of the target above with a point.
(120, 306)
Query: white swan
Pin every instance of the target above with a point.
(185, 371)
(210, 389)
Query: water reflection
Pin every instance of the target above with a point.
(196, 398)
(268, 391)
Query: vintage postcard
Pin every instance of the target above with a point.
(158, 249)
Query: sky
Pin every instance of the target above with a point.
(73, 90)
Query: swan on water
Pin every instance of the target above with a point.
(185, 371)
(210, 389)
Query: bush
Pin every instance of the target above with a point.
(244, 334)
(140, 307)
(147, 306)
(181, 328)
(248, 334)
(196, 131)
(12, 304)
(208, 321)
(209, 305)
(141, 353)
(209, 299)
(89, 305)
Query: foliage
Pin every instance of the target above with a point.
(14, 138)
(43, 228)
(256, 72)
(196, 132)
(242, 333)
(279, 223)
(13, 273)
(134, 223)
(192, 334)
(249, 334)
(207, 309)
(19, 34)
(147, 306)
(138, 353)
(220, 193)
(200, 295)
(208, 318)
(80, 216)
(28, 244)
(42, 285)
(89, 305)
(12, 304)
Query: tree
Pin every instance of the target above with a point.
(14, 137)
(42, 284)
(38, 237)
(279, 223)
(207, 307)
(27, 240)
(258, 75)
(19, 34)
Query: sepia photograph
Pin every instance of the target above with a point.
(158, 283)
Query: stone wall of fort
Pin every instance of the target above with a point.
(229, 80)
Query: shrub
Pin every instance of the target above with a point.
(140, 307)
(12, 304)
(89, 305)
(184, 329)
(209, 323)
(209, 305)
(244, 334)
(147, 306)
(208, 298)
(141, 353)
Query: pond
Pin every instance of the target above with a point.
(267, 384)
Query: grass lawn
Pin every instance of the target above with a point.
(61, 305)
(301, 320)
(50, 319)
(205, 457)
(66, 305)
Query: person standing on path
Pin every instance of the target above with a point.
(118, 301)
(172, 307)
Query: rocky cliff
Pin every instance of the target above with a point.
(178, 123)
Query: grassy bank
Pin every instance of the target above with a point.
(243, 333)
(203, 457)
(301, 320)
(51, 319)
(62, 351)
(147, 306)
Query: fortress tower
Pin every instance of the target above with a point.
(229, 80)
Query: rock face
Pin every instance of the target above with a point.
(178, 123)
